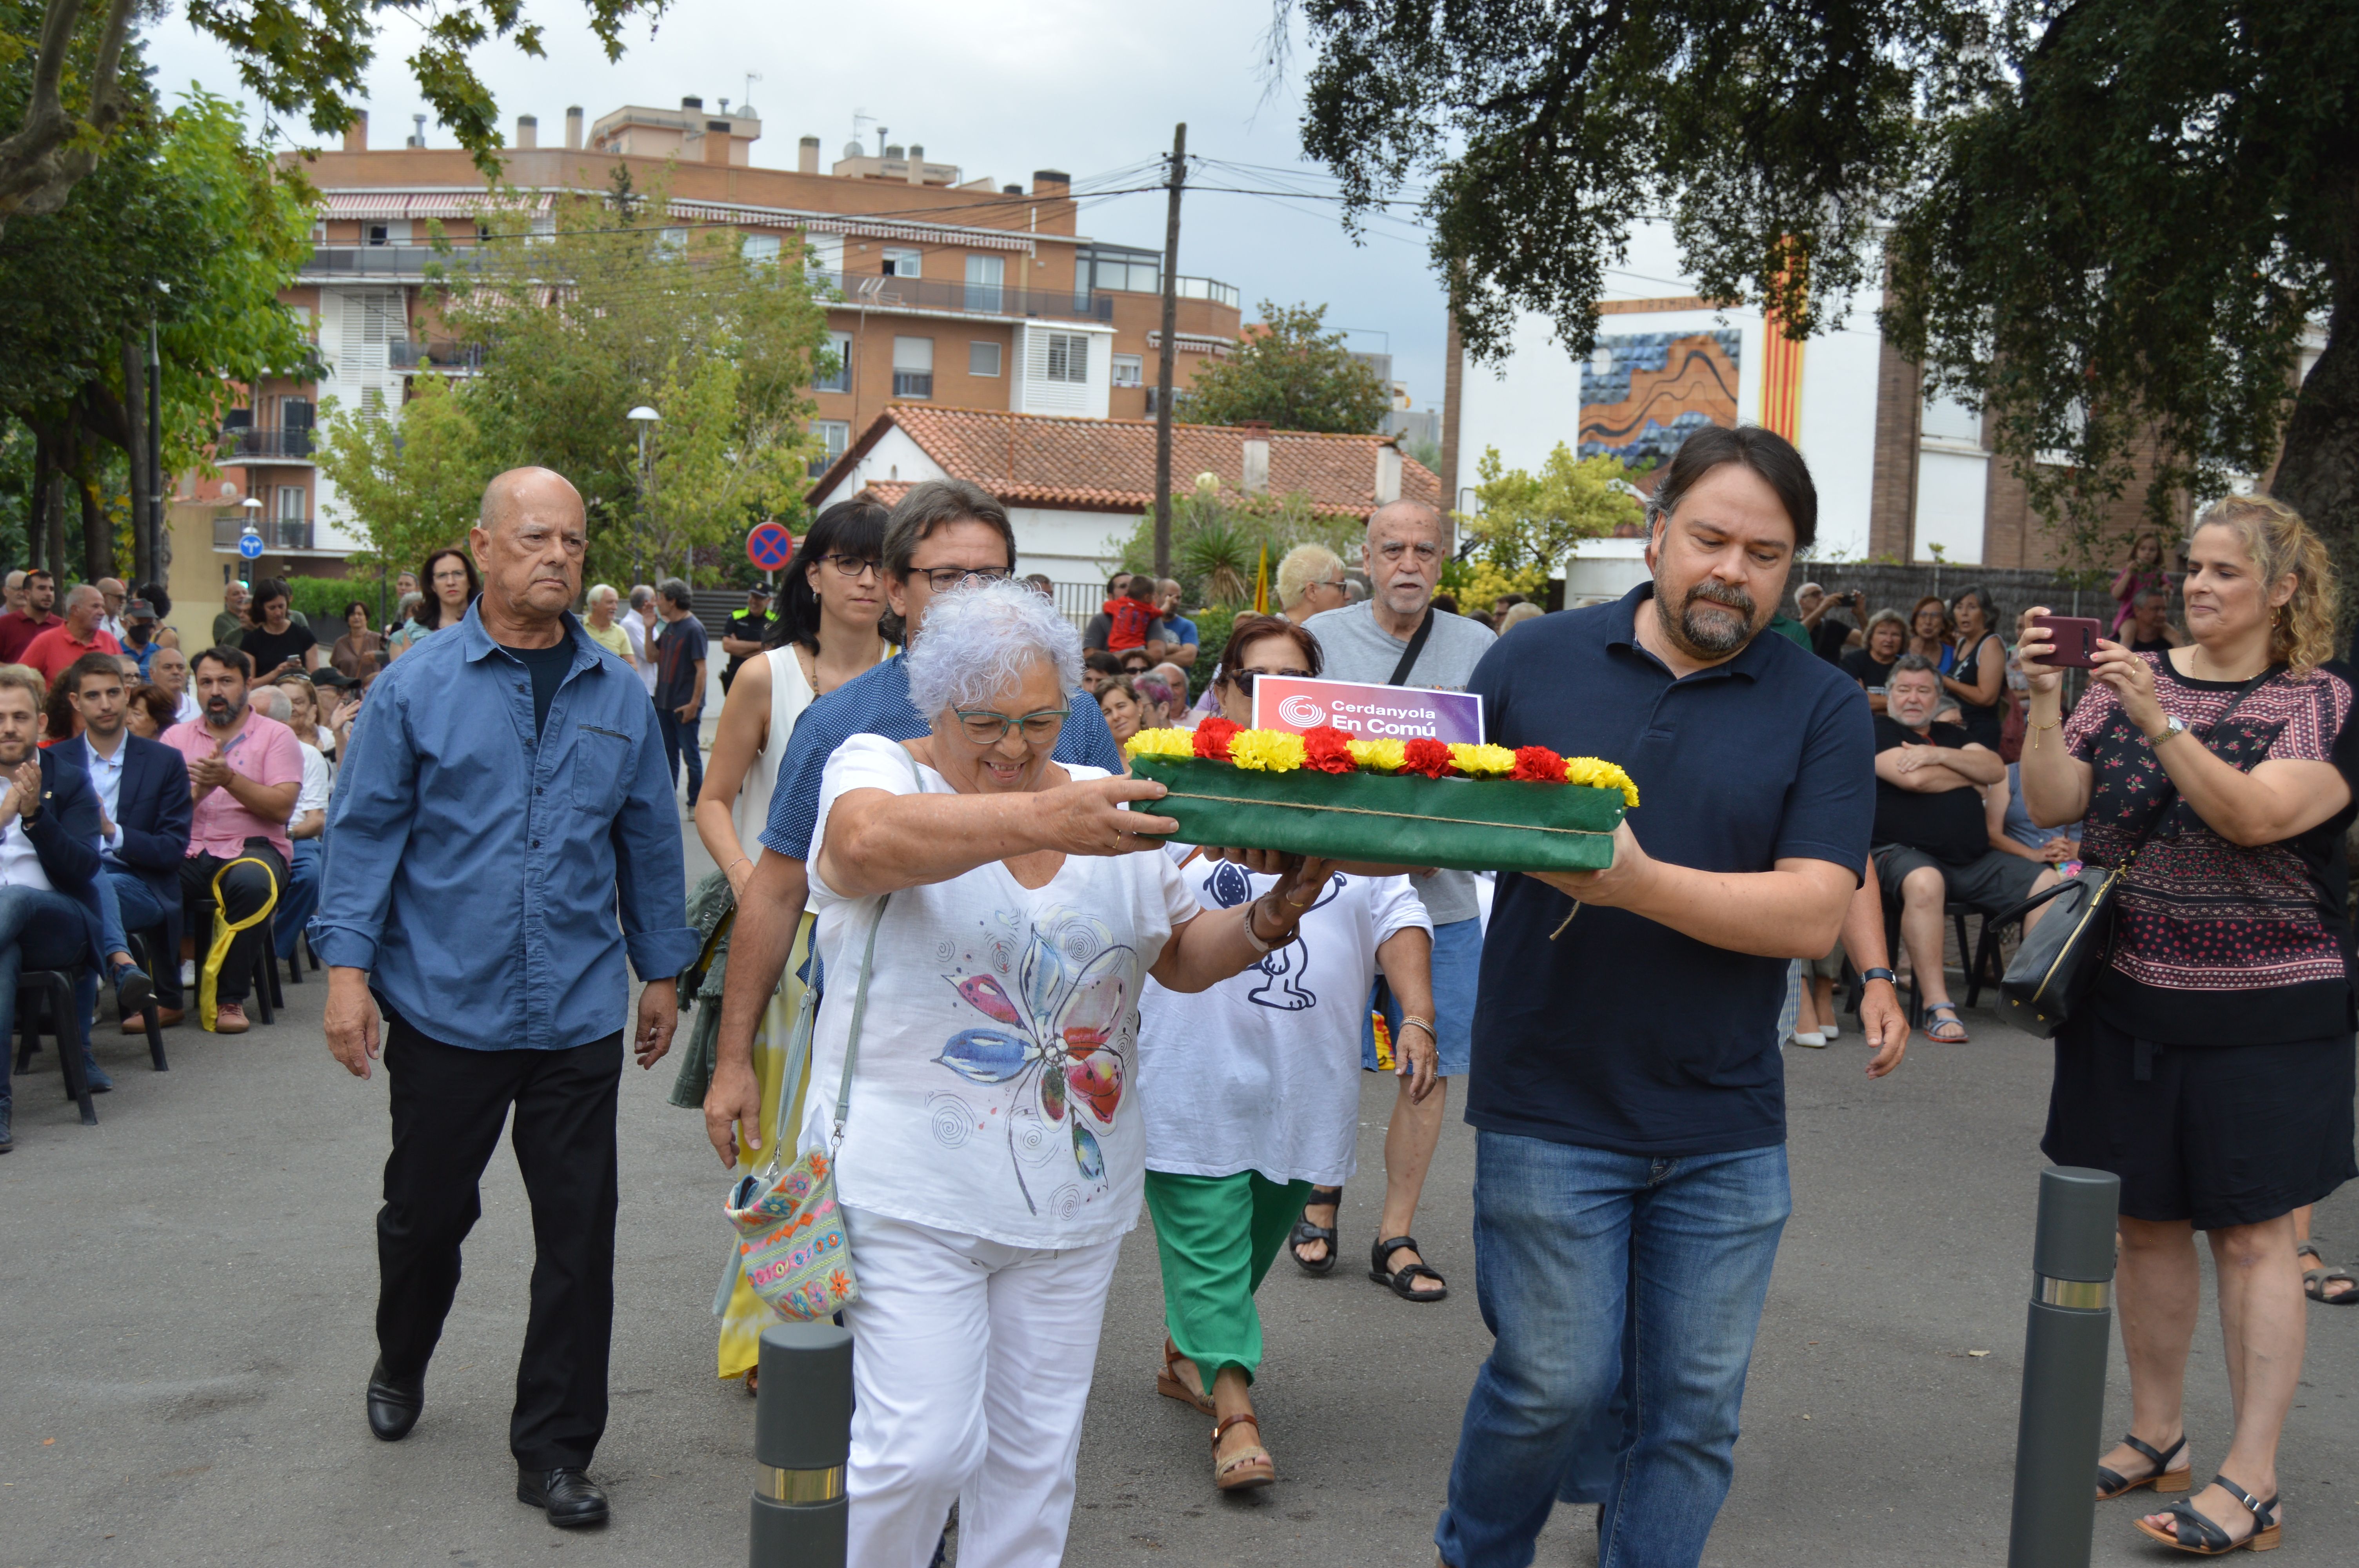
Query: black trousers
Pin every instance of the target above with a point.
(448, 1104)
(244, 890)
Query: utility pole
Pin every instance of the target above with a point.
(1163, 359)
(160, 539)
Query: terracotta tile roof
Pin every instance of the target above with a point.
(1108, 465)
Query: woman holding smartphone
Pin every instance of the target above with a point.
(2212, 1068)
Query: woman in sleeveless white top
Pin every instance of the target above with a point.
(824, 635)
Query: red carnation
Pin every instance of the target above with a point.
(1213, 737)
(1538, 764)
(1326, 750)
(1430, 758)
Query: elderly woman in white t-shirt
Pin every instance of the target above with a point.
(989, 1164)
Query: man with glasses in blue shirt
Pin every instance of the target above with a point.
(944, 532)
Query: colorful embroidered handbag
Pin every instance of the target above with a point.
(792, 1248)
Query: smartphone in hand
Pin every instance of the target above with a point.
(2073, 639)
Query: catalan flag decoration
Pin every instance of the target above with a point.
(1261, 584)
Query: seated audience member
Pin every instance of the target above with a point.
(1119, 702)
(1158, 703)
(303, 702)
(140, 625)
(1099, 668)
(1829, 633)
(1446, 602)
(81, 634)
(1179, 633)
(304, 828)
(1517, 613)
(2011, 819)
(2148, 629)
(1135, 662)
(1871, 664)
(149, 710)
(245, 771)
(1041, 584)
(1932, 843)
(49, 871)
(169, 670)
(143, 820)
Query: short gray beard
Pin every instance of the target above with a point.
(1706, 636)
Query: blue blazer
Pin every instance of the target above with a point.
(153, 808)
(64, 833)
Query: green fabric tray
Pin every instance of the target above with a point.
(1401, 819)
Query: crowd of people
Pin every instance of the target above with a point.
(918, 791)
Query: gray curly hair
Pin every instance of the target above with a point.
(982, 638)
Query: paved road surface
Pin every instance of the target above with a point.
(187, 1294)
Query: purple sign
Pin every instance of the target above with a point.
(1364, 712)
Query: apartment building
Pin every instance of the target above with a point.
(946, 290)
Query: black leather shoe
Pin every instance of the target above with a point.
(394, 1406)
(569, 1496)
(134, 992)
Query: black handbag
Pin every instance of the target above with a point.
(2057, 964)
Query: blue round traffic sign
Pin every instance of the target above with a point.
(250, 545)
(769, 546)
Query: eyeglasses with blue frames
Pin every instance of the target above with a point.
(987, 728)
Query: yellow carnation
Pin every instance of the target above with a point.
(1160, 743)
(1598, 775)
(1376, 756)
(1483, 762)
(1265, 750)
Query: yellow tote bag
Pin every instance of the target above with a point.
(225, 930)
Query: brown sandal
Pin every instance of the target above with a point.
(1171, 1386)
(1240, 1472)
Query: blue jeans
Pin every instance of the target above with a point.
(130, 904)
(1588, 1263)
(679, 741)
(1457, 962)
(301, 897)
(41, 930)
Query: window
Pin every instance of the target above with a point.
(1129, 370)
(543, 230)
(672, 241)
(982, 359)
(840, 378)
(913, 367)
(902, 262)
(1069, 357)
(761, 248)
(834, 435)
(393, 233)
(1103, 267)
(984, 277)
(823, 259)
(1948, 419)
(290, 503)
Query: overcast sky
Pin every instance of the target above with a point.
(1088, 86)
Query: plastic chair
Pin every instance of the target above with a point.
(142, 955)
(53, 989)
(263, 988)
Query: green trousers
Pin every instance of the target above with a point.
(1217, 1236)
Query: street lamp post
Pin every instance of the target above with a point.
(642, 416)
(253, 526)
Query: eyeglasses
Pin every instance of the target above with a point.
(985, 728)
(1340, 585)
(1242, 680)
(853, 566)
(944, 579)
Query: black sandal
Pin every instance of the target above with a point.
(2191, 1531)
(1403, 1280)
(1304, 1231)
(2111, 1484)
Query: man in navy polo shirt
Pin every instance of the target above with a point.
(1627, 1089)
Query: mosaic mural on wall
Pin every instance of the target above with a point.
(1642, 394)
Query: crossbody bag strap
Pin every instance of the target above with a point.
(860, 992)
(1415, 646)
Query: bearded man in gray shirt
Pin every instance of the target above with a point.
(1398, 638)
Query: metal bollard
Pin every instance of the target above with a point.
(802, 1438)
(2064, 1350)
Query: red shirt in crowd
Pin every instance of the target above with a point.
(18, 632)
(55, 650)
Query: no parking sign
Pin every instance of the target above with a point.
(770, 546)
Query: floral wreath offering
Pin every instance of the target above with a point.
(1403, 803)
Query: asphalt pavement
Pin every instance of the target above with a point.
(187, 1291)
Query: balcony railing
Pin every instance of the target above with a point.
(978, 299)
(913, 383)
(435, 353)
(278, 533)
(292, 444)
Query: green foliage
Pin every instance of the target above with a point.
(1530, 523)
(1426, 452)
(412, 487)
(645, 312)
(2110, 220)
(1293, 373)
(1218, 538)
(322, 600)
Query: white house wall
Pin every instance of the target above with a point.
(895, 459)
(1069, 546)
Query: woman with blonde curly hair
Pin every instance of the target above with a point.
(2212, 1068)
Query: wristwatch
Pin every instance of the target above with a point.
(2172, 725)
(1886, 975)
